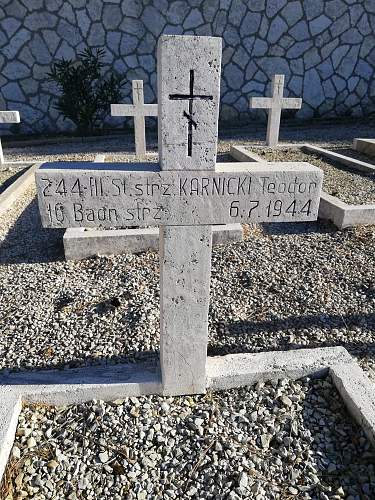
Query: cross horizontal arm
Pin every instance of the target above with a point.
(116, 195)
(184, 97)
(261, 102)
(132, 110)
(9, 117)
(291, 103)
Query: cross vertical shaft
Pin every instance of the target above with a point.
(274, 113)
(139, 119)
(185, 251)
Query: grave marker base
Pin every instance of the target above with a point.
(235, 370)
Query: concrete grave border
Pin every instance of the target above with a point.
(365, 146)
(81, 244)
(18, 187)
(331, 208)
(78, 385)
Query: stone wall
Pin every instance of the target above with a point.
(326, 49)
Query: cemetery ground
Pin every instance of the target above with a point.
(284, 287)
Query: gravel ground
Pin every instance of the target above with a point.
(9, 175)
(275, 441)
(286, 287)
(348, 184)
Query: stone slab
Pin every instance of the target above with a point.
(81, 244)
(81, 194)
(195, 71)
(17, 188)
(10, 408)
(343, 215)
(365, 146)
(9, 117)
(358, 393)
(236, 370)
(241, 153)
(345, 160)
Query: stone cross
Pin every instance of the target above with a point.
(138, 110)
(7, 117)
(185, 194)
(275, 104)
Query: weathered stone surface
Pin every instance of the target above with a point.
(202, 80)
(156, 197)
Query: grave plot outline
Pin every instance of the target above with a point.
(186, 234)
(275, 104)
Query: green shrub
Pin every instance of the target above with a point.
(86, 95)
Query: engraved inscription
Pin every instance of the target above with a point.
(115, 198)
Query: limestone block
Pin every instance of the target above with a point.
(118, 195)
(201, 81)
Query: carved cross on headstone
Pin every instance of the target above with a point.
(184, 195)
(139, 110)
(274, 105)
(189, 115)
(7, 117)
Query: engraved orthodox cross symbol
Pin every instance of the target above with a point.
(190, 97)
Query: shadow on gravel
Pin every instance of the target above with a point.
(237, 344)
(9, 181)
(93, 370)
(321, 227)
(28, 242)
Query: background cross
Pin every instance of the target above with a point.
(7, 117)
(274, 105)
(138, 110)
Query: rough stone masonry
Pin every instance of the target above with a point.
(183, 195)
(324, 48)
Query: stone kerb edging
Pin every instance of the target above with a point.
(81, 244)
(366, 146)
(18, 187)
(331, 208)
(74, 386)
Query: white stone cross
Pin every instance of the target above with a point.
(7, 117)
(139, 110)
(274, 105)
(185, 194)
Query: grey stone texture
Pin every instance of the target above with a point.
(329, 44)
